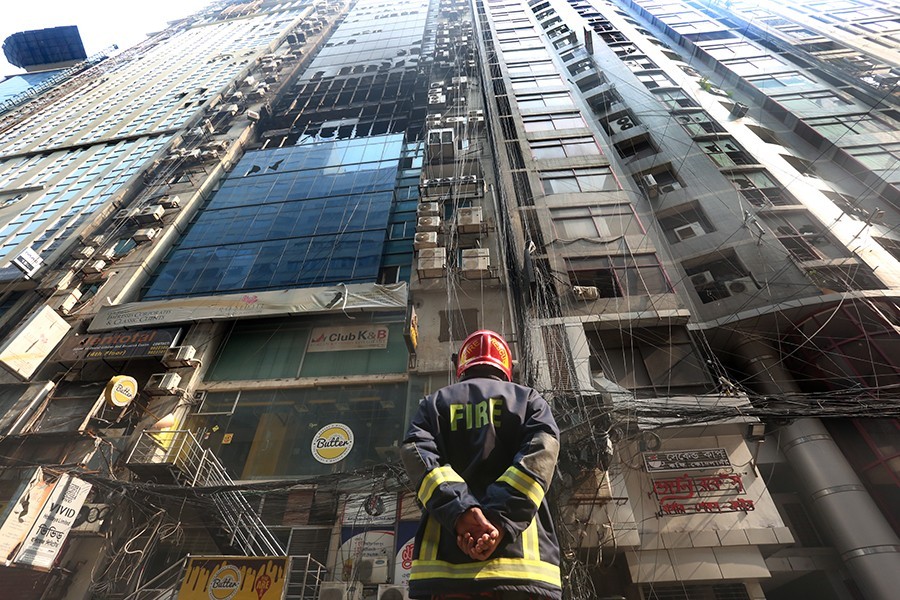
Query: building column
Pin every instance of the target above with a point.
(858, 530)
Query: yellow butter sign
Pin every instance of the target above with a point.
(332, 443)
(121, 390)
(234, 578)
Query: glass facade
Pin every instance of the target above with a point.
(269, 433)
(302, 216)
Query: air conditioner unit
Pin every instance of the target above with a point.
(691, 230)
(94, 240)
(145, 235)
(428, 224)
(179, 356)
(84, 252)
(702, 279)
(585, 292)
(742, 285)
(253, 115)
(432, 262)
(106, 253)
(468, 220)
(651, 187)
(425, 239)
(428, 209)
(208, 127)
(163, 384)
(95, 266)
(249, 80)
(393, 592)
(475, 263)
(169, 201)
(66, 301)
(441, 144)
(338, 590)
(236, 97)
(151, 214)
(122, 214)
(372, 570)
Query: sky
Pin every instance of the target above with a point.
(100, 22)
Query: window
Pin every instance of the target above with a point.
(698, 123)
(878, 156)
(655, 80)
(781, 80)
(555, 121)
(563, 148)
(636, 148)
(604, 222)
(565, 181)
(546, 100)
(685, 224)
(760, 189)
(651, 361)
(836, 126)
(732, 50)
(675, 99)
(726, 153)
(718, 278)
(844, 278)
(820, 100)
(535, 83)
(529, 68)
(618, 276)
(891, 245)
(756, 65)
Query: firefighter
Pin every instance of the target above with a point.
(481, 453)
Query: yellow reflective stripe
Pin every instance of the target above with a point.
(430, 539)
(434, 478)
(524, 483)
(530, 547)
(497, 568)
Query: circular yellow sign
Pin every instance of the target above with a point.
(121, 390)
(225, 583)
(332, 443)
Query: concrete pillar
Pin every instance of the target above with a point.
(856, 527)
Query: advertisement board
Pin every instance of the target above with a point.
(234, 578)
(53, 524)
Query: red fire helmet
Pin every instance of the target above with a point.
(484, 347)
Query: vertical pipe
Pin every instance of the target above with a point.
(858, 530)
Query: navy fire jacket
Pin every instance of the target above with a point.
(492, 444)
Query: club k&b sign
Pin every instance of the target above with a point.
(358, 337)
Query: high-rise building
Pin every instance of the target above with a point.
(233, 258)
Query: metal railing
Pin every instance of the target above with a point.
(193, 466)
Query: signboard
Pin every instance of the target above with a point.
(21, 512)
(234, 578)
(150, 343)
(53, 523)
(341, 298)
(375, 546)
(332, 443)
(686, 495)
(686, 460)
(411, 331)
(361, 337)
(120, 390)
(28, 262)
(370, 509)
(27, 347)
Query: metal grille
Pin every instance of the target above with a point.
(718, 591)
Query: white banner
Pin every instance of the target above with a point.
(50, 530)
(333, 299)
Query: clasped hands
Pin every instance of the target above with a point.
(476, 536)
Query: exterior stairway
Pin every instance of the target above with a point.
(177, 457)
